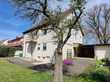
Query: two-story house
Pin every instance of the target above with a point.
(40, 44)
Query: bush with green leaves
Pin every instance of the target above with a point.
(97, 73)
(6, 51)
(100, 63)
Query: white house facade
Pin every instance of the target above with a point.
(40, 44)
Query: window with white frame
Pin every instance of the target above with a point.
(38, 48)
(44, 46)
(69, 53)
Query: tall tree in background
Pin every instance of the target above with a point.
(98, 23)
(62, 28)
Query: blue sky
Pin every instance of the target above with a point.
(12, 26)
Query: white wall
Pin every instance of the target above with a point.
(48, 39)
(18, 53)
(26, 52)
(47, 55)
(102, 52)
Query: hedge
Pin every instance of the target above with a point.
(6, 51)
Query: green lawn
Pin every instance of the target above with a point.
(14, 73)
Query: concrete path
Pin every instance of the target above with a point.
(20, 61)
(28, 63)
(80, 64)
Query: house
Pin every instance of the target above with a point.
(15, 43)
(4, 42)
(40, 45)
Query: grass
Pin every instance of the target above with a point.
(13, 73)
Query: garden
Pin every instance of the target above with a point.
(14, 73)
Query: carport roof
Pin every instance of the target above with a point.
(97, 45)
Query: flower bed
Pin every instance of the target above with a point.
(68, 62)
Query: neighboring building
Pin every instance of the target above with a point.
(40, 45)
(97, 51)
(4, 42)
(102, 51)
(17, 42)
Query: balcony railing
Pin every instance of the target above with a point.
(31, 39)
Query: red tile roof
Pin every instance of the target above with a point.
(16, 42)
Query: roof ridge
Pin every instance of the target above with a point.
(45, 23)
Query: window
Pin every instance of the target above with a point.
(38, 48)
(44, 32)
(48, 56)
(69, 53)
(39, 57)
(43, 57)
(44, 46)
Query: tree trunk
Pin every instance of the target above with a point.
(58, 72)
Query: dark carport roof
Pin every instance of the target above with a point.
(96, 45)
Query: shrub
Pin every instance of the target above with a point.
(97, 73)
(68, 62)
(100, 63)
(100, 74)
(107, 61)
(6, 51)
(90, 68)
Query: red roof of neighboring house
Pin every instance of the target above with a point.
(16, 42)
(1, 41)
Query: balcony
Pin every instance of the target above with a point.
(31, 39)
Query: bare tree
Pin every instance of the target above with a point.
(98, 23)
(60, 26)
